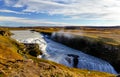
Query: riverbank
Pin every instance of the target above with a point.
(61, 54)
(14, 63)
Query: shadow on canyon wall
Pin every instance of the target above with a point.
(95, 47)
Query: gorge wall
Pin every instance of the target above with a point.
(97, 48)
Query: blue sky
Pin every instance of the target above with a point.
(59, 12)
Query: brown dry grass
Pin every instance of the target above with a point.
(110, 36)
(7, 49)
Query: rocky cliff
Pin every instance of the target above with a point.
(99, 47)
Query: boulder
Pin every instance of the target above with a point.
(32, 49)
(75, 59)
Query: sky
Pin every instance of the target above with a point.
(59, 12)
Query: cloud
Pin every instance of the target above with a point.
(79, 9)
(23, 21)
(17, 21)
(10, 11)
(72, 9)
(10, 2)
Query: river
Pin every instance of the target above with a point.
(62, 54)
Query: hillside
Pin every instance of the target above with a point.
(14, 62)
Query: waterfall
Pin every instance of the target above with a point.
(67, 56)
(62, 54)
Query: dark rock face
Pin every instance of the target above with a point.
(118, 76)
(4, 33)
(75, 59)
(32, 49)
(91, 46)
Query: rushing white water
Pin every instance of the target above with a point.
(62, 54)
(27, 36)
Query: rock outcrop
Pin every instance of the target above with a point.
(5, 32)
(32, 49)
(75, 59)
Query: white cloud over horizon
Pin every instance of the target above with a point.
(10, 11)
(87, 9)
(9, 19)
(103, 10)
(31, 22)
